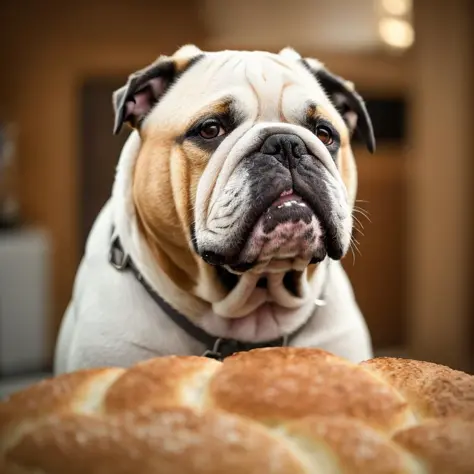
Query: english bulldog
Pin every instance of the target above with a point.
(230, 212)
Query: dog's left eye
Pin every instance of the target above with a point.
(324, 134)
(211, 129)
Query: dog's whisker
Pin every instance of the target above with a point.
(359, 227)
(355, 244)
(361, 209)
(353, 255)
(362, 213)
(358, 221)
(354, 247)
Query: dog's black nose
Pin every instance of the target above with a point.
(286, 147)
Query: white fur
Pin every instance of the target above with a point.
(290, 53)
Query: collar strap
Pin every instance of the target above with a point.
(216, 347)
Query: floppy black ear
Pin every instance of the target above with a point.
(144, 88)
(133, 101)
(346, 99)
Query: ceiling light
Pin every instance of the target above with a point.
(396, 33)
(397, 7)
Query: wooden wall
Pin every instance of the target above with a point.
(47, 49)
(440, 188)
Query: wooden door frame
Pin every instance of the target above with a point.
(440, 191)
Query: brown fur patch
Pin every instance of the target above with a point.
(347, 168)
(160, 191)
(220, 107)
(181, 64)
(318, 111)
(345, 159)
(312, 111)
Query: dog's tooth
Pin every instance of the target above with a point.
(291, 203)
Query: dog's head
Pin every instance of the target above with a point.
(245, 164)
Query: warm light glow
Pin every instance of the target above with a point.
(396, 33)
(397, 7)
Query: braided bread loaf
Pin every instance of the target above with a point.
(280, 410)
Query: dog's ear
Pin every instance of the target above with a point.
(347, 101)
(342, 94)
(145, 87)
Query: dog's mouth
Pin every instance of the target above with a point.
(287, 232)
(289, 207)
(287, 228)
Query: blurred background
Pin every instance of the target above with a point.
(413, 62)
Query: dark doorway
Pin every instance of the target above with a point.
(99, 149)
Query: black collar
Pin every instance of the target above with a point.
(216, 347)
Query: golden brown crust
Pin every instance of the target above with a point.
(270, 385)
(170, 381)
(349, 445)
(174, 415)
(446, 446)
(431, 390)
(80, 391)
(172, 441)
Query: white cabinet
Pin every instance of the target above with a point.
(24, 300)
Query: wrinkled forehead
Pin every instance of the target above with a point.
(261, 86)
(257, 71)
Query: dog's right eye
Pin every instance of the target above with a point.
(324, 134)
(211, 129)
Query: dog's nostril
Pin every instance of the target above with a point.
(299, 150)
(286, 144)
(271, 147)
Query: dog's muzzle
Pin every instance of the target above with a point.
(280, 202)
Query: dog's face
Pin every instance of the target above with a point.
(245, 162)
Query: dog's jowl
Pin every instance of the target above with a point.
(229, 216)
